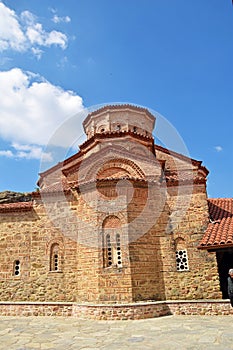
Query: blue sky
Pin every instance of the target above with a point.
(58, 57)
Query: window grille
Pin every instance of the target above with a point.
(111, 240)
(17, 268)
(118, 250)
(54, 258)
(109, 250)
(182, 260)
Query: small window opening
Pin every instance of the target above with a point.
(17, 268)
(134, 129)
(112, 253)
(118, 127)
(54, 258)
(55, 262)
(102, 130)
(182, 260)
(118, 250)
(109, 250)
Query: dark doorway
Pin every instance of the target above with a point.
(225, 262)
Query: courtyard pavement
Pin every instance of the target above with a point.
(166, 333)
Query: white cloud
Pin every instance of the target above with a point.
(56, 38)
(218, 148)
(57, 19)
(11, 33)
(7, 154)
(28, 18)
(24, 32)
(26, 152)
(31, 110)
(30, 152)
(37, 52)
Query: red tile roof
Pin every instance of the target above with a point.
(219, 232)
(18, 206)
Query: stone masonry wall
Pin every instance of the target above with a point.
(145, 213)
(27, 237)
(201, 280)
(149, 263)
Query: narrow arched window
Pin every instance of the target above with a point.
(118, 250)
(112, 253)
(109, 250)
(55, 258)
(16, 268)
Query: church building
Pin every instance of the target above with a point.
(123, 220)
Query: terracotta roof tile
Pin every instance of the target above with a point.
(219, 232)
(18, 206)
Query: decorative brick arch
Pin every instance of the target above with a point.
(55, 253)
(180, 243)
(122, 167)
(111, 221)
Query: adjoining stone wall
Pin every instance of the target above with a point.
(201, 280)
(28, 237)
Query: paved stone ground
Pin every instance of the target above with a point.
(164, 333)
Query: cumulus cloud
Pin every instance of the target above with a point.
(24, 32)
(31, 110)
(218, 148)
(11, 33)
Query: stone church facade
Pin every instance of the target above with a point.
(121, 221)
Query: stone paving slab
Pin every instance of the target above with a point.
(171, 332)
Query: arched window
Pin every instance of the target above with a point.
(55, 257)
(118, 250)
(112, 253)
(108, 250)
